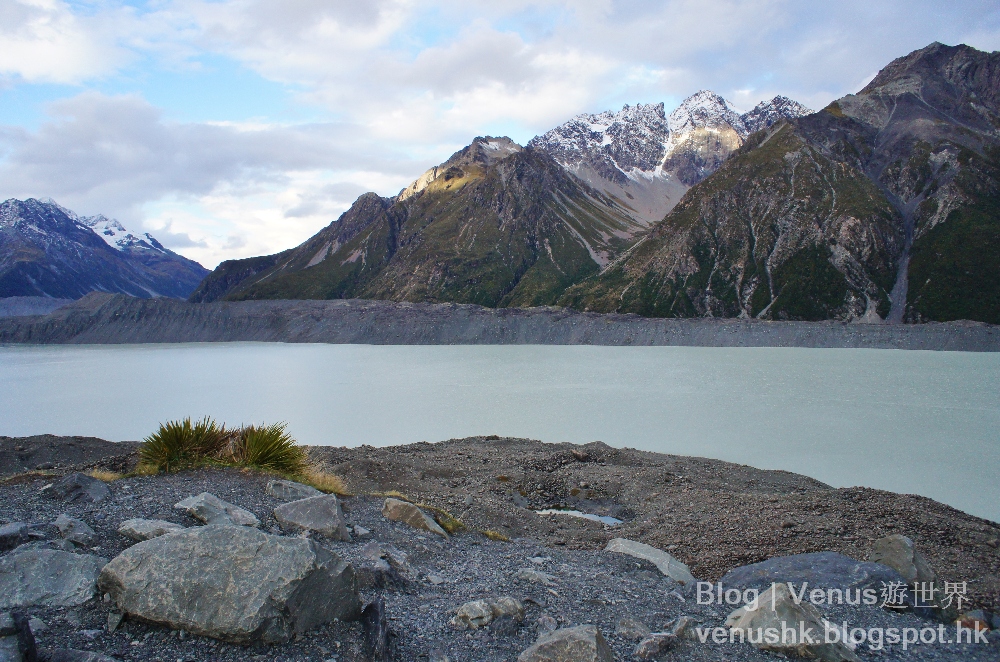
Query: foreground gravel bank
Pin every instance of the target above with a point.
(711, 515)
(109, 319)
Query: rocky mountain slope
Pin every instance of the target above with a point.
(501, 225)
(49, 251)
(494, 225)
(648, 160)
(886, 203)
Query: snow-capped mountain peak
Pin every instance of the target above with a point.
(705, 109)
(769, 112)
(115, 235)
(648, 159)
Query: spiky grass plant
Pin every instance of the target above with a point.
(181, 444)
(268, 447)
(324, 482)
(105, 475)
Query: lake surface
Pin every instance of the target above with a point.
(908, 421)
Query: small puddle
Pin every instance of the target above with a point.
(603, 519)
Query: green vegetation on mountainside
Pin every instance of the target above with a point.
(955, 266)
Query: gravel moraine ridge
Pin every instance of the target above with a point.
(711, 515)
(101, 318)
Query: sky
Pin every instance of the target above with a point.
(232, 128)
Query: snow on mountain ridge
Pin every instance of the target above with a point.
(115, 235)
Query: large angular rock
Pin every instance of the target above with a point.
(233, 583)
(899, 553)
(321, 514)
(79, 487)
(800, 629)
(48, 577)
(12, 535)
(10, 651)
(667, 564)
(210, 509)
(289, 490)
(407, 513)
(76, 531)
(147, 529)
(480, 613)
(583, 643)
(819, 569)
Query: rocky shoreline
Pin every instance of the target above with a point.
(507, 584)
(114, 319)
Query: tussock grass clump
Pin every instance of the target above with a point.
(268, 447)
(495, 535)
(322, 481)
(448, 522)
(105, 475)
(183, 444)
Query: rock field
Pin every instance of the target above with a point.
(511, 585)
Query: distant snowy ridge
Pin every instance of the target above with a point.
(638, 139)
(116, 236)
(648, 159)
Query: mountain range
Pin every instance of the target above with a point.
(498, 224)
(885, 205)
(46, 250)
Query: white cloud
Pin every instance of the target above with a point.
(210, 183)
(45, 41)
(405, 83)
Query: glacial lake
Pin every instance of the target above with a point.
(909, 421)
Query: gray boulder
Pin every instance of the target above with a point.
(480, 613)
(899, 553)
(321, 514)
(10, 651)
(48, 577)
(802, 628)
(12, 535)
(631, 628)
(79, 487)
(233, 583)
(76, 531)
(583, 643)
(819, 569)
(667, 564)
(407, 513)
(289, 490)
(654, 645)
(210, 509)
(147, 529)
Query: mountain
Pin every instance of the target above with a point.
(495, 225)
(647, 160)
(536, 219)
(46, 250)
(885, 204)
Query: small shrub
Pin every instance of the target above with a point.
(105, 475)
(448, 522)
(268, 447)
(180, 444)
(495, 535)
(324, 482)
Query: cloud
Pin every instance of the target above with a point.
(118, 156)
(396, 86)
(45, 41)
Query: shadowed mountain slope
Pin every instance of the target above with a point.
(48, 251)
(495, 225)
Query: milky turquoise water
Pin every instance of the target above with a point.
(918, 422)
